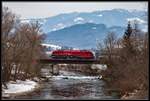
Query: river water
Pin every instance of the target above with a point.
(69, 85)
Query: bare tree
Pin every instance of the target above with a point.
(9, 21)
(130, 70)
(21, 46)
(110, 43)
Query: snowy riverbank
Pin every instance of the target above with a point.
(19, 87)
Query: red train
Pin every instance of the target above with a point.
(72, 54)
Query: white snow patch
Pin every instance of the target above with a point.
(100, 15)
(49, 52)
(75, 48)
(58, 26)
(140, 21)
(78, 19)
(19, 87)
(51, 46)
(101, 67)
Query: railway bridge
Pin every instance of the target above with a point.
(53, 62)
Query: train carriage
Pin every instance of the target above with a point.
(72, 54)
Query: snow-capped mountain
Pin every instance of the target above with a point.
(42, 21)
(82, 30)
(114, 17)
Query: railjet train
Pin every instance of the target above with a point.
(72, 54)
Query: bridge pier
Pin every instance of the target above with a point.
(55, 69)
(52, 69)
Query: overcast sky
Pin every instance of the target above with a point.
(46, 9)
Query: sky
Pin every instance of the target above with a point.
(28, 10)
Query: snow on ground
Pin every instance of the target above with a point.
(49, 52)
(19, 87)
(101, 67)
(51, 45)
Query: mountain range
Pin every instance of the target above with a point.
(114, 17)
(82, 35)
(82, 30)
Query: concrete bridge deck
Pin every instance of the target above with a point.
(69, 61)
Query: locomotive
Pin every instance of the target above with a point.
(72, 54)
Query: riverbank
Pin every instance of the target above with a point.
(137, 94)
(18, 88)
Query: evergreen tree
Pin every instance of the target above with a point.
(127, 41)
(128, 32)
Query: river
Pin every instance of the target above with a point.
(69, 85)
